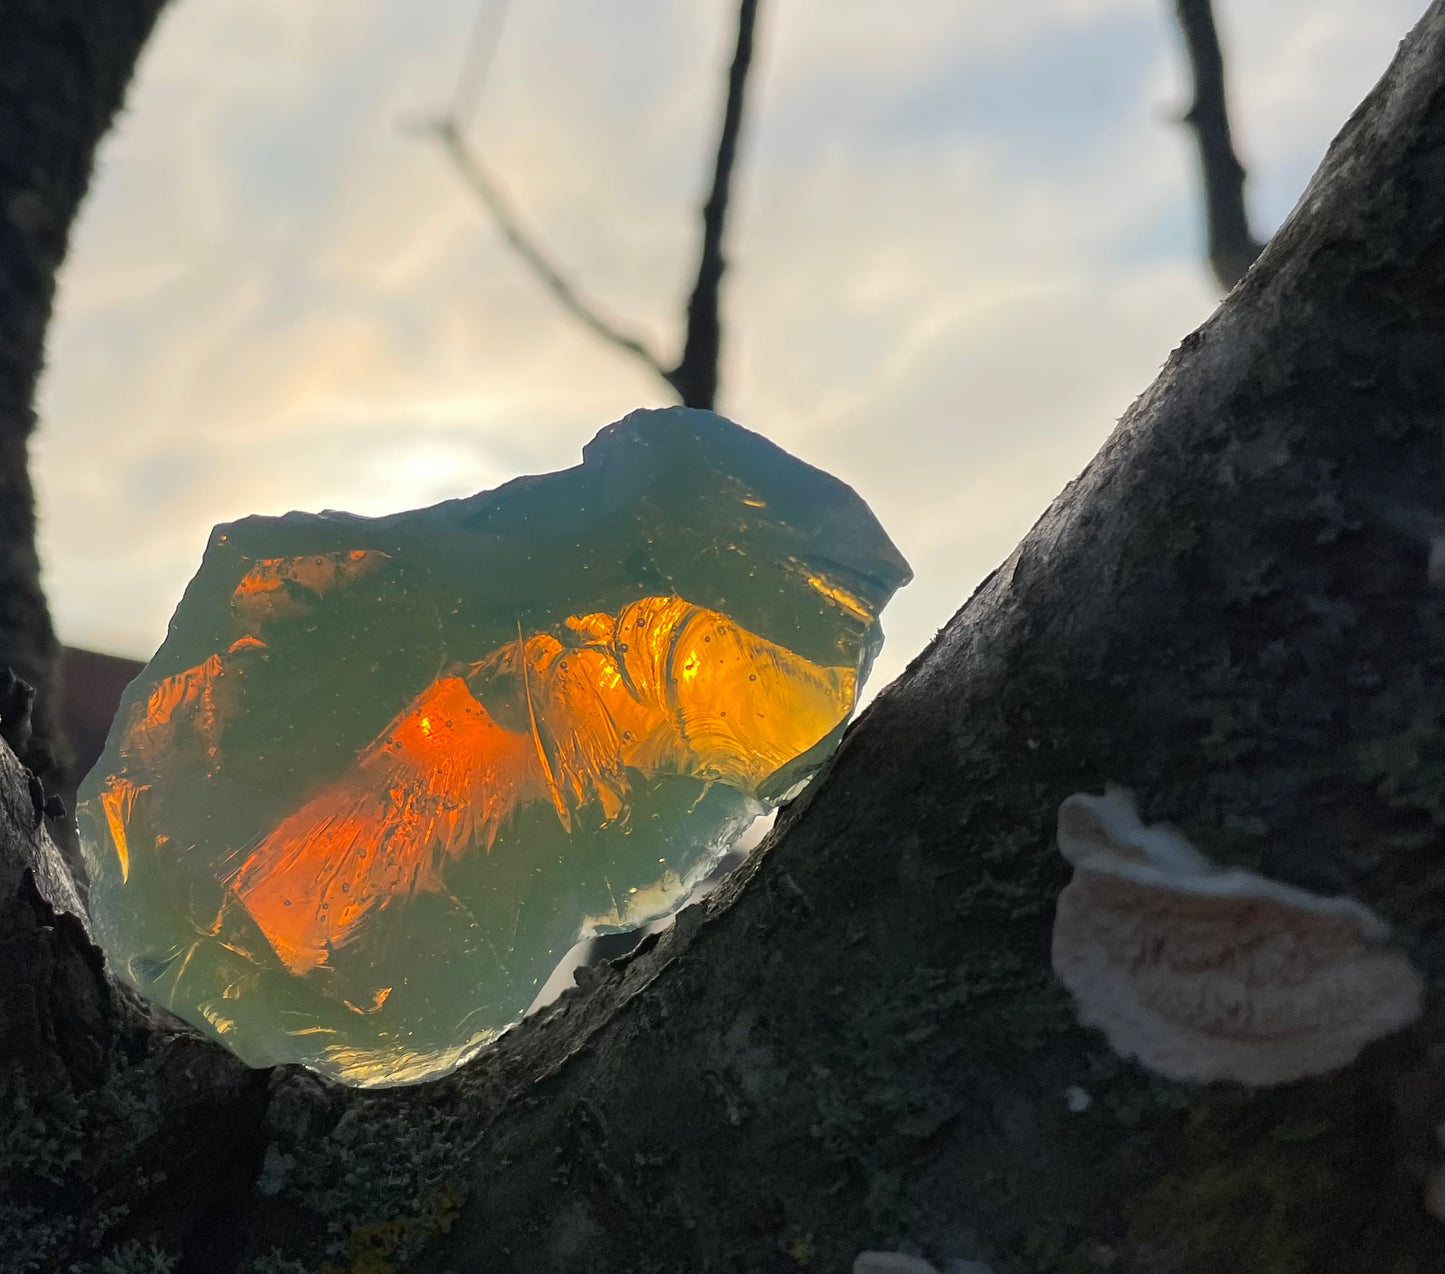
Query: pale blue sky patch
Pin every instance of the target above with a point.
(1050, 104)
(960, 245)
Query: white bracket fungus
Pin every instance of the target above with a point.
(901, 1263)
(1209, 973)
(891, 1263)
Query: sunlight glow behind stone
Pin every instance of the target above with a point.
(384, 772)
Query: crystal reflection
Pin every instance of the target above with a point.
(571, 723)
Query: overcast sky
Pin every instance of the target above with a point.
(964, 237)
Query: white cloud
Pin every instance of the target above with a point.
(961, 244)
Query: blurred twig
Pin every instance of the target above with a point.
(1232, 247)
(472, 171)
(695, 377)
(477, 64)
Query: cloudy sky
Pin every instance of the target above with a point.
(965, 235)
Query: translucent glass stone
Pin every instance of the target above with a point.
(384, 772)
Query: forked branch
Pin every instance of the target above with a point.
(695, 377)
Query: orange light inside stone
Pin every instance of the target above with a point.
(663, 688)
(117, 800)
(186, 700)
(277, 587)
(384, 772)
(443, 776)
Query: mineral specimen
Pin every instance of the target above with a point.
(384, 772)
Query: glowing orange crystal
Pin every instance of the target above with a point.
(399, 775)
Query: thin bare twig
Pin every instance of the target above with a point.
(695, 377)
(1232, 247)
(473, 172)
(477, 65)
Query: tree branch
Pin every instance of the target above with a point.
(1232, 248)
(858, 1042)
(473, 172)
(79, 53)
(695, 377)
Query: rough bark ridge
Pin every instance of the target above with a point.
(860, 1043)
(64, 68)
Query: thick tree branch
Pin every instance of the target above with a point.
(64, 68)
(860, 1043)
(1232, 248)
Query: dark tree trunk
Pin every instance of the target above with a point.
(859, 1042)
(64, 68)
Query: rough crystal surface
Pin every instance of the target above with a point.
(385, 771)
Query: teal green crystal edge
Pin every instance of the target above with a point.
(668, 504)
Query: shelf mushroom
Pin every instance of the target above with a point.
(1208, 973)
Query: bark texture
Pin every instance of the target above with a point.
(64, 68)
(858, 1042)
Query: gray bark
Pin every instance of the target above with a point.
(64, 68)
(858, 1042)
